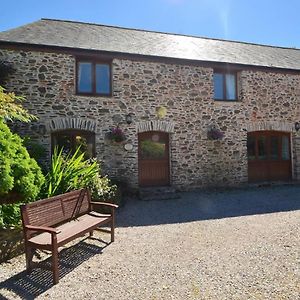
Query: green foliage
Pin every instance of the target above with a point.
(11, 109)
(18, 172)
(74, 171)
(36, 151)
(9, 215)
(103, 189)
(20, 176)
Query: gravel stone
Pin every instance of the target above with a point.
(235, 244)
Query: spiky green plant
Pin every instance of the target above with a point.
(69, 172)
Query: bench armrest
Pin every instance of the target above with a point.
(42, 229)
(105, 204)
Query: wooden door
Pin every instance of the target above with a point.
(154, 167)
(269, 156)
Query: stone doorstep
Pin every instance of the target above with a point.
(158, 193)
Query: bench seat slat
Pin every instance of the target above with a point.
(70, 229)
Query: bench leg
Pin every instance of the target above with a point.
(55, 266)
(55, 269)
(91, 233)
(29, 255)
(112, 228)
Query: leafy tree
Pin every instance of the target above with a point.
(11, 109)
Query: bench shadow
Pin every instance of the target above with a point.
(206, 205)
(29, 286)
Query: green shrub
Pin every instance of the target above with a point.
(103, 189)
(18, 172)
(10, 215)
(36, 151)
(20, 176)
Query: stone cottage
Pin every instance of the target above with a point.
(196, 112)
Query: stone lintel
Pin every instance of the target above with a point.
(155, 125)
(271, 125)
(57, 124)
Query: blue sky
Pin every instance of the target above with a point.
(274, 22)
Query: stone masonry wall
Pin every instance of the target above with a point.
(268, 100)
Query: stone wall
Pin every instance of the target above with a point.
(268, 100)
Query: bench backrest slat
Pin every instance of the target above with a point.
(57, 209)
(75, 206)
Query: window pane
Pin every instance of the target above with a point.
(153, 148)
(85, 142)
(102, 79)
(218, 86)
(84, 77)
(262, 149)
(230, 87)
(251, 147)
(274, 147)
(285, 148)
(70, 140)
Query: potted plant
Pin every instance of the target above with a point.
(116, 135)
(215, 134)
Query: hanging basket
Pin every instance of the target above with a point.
(215, 134)
(116, 136)
(116, 143)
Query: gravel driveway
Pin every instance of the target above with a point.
(238, 244)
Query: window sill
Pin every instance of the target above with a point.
(93, 95)
(227, 101)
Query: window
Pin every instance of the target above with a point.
(268, 146)
(225, 87)
(93, 78)
(70, 140)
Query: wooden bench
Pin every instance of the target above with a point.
(53, 222)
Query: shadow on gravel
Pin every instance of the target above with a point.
(29, 286)
(201, 205)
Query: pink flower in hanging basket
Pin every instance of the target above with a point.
(215, 134)
(116, 134)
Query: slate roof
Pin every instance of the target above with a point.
(59, 33)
